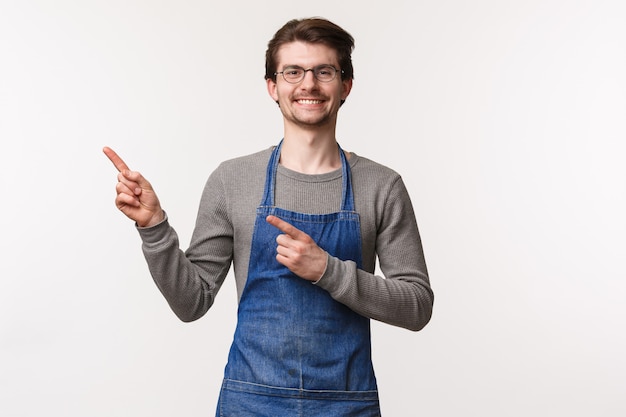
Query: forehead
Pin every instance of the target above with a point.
(306, 54)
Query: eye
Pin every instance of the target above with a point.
(325, 70)
(292, 71)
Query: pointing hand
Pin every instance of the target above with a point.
(298, 251)
(135, 196)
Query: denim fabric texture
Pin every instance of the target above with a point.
(296, 351)
(242, 399)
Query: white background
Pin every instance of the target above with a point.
(505, 118)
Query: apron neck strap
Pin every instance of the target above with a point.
(347, 198)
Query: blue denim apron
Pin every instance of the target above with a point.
(296, 351)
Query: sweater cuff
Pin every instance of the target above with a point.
(153, 235)
(334, 278)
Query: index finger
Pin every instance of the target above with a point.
(117, 161)
(284, 227)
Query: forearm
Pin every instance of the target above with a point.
(403, 300)
(189, 289)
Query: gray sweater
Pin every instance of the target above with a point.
(222, 236)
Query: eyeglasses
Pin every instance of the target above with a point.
(293, 74)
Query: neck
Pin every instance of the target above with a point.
(310, 152)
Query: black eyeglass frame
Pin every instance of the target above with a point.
(315, 70)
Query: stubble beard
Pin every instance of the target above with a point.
(308, 122)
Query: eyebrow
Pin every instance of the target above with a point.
(314, 66)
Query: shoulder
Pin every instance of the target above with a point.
(257, 160)
(367, 170)
(376, 185)
(240, 174)
(238, 182)
(242, 168)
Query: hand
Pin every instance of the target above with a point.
(135, 196)
(298, 252)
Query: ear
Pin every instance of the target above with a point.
(346, 87)
(271, 89)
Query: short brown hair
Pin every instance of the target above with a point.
(312, 30)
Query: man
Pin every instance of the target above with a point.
(302, 223)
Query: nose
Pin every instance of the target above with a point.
(309, 79)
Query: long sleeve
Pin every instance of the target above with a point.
(190, 280)
(403, 297)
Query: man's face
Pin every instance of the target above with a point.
(309, 103)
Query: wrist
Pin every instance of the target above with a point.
(155, 219)
(323, 270)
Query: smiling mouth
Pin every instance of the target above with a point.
(309, 101)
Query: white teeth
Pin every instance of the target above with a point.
(310, 101)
